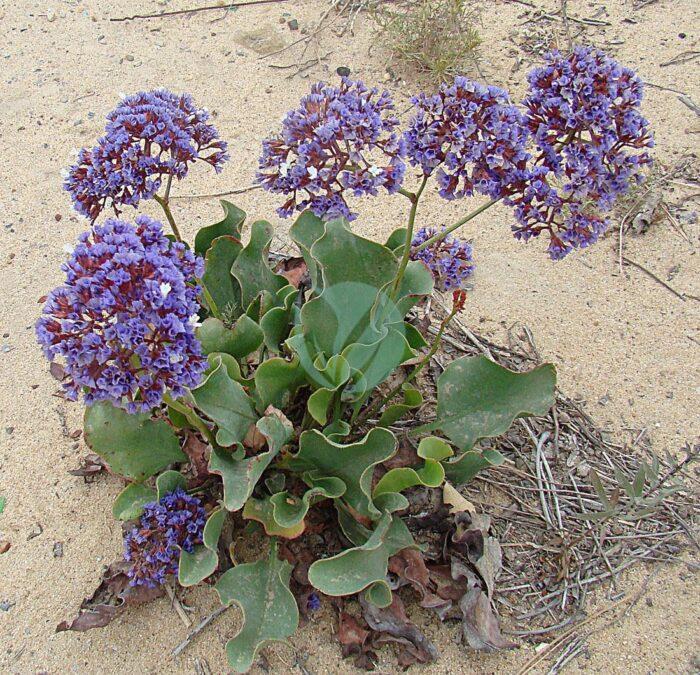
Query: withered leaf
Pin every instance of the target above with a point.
(409, 566)
(90, 465)
(392, 621)
(109, 600)
(198, 454)
(479, 625)
(294, 270)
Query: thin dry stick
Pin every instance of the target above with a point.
(193, 10)
(235, 191)
(564, 636)
(654, 277)
(199, 628)
(175, 603)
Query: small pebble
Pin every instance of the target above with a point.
(58, 550)
(6, 605)
(4, 546)
(293, 24)
(51, 16)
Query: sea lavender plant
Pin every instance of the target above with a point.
(449, 260)
(124, 319)
(301, 391)
(171, 525)
(148, 136)
(339, 139)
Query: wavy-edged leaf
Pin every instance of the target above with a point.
(336, 373)
(463, 468)
(202, 562)
(134, 446)
(432, 450)
(412, 400)
(276, 322)
(168, 482)
(251, 267)
(131, 500)
(353, 464)
(224, 401)
(231, 224)
(276, 380)
(219, 284)
(477, 398)
(305, 231)
(240, 474)
(270, 613)
(243, 338)
(358, 568)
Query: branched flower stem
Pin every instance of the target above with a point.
(405, 257)
(164, 202)
(414, 373)
(448, 230)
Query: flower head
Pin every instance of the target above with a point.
(173, 524)
(121, 320)
(583, 112)
(148, 136)
(471, 136)
(339, 140)
(450, 260)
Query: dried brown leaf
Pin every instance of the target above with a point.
(109, 600)
(392, 621)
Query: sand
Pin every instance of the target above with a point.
(620, 341)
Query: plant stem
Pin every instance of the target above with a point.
(414, 197)
(192, 417)
(443, 233)
(163, 201)
(414, 373)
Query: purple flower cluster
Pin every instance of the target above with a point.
(124, 319)
(450, 260)
(174, 523)
(148, 136)
(340, 138)
(583, 113)
(471, 136)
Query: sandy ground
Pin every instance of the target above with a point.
(620, 341)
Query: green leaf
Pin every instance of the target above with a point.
(357, 568)
(277, 321)
(242, 339)
(220, 285)
(346, 257)
(270, 612)
(251, 267)
(353, 464)
(276, 380)
(262, 511)
(464, 467)
(412, 400)
(224, 401)
(290, 509)
(241, 474)
(3, 503)
(202, 562)
(433, 450)
(308, 228)
(396, 239)
(134, 446)
(230, 225)
(478, 398)
(336, 373)
(168, 482)
(131, 500)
